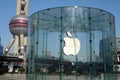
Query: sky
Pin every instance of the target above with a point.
(8, 10)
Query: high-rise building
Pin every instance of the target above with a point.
(118, 44)
(118, 49)
(102, 48)
(1, 48)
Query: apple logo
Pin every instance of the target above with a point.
(72, 45)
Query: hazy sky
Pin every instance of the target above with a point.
(8, 10)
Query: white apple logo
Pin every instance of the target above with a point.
(72, 45)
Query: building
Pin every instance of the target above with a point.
(118, 44)
(118, 49)
(48, 30)
(1, 48)
(117, 56)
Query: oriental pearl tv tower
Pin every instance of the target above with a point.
(18, 27)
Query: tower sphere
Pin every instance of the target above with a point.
(19, 25)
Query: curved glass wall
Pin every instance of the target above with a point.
(76, 43)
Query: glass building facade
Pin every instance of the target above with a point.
(91, 58)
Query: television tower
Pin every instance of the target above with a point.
(19, 28)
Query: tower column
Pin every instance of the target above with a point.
(25, 41)
(21, 40)
(9, 45)
(16, 46)
(21, 43)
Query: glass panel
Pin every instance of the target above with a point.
(75, 43)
